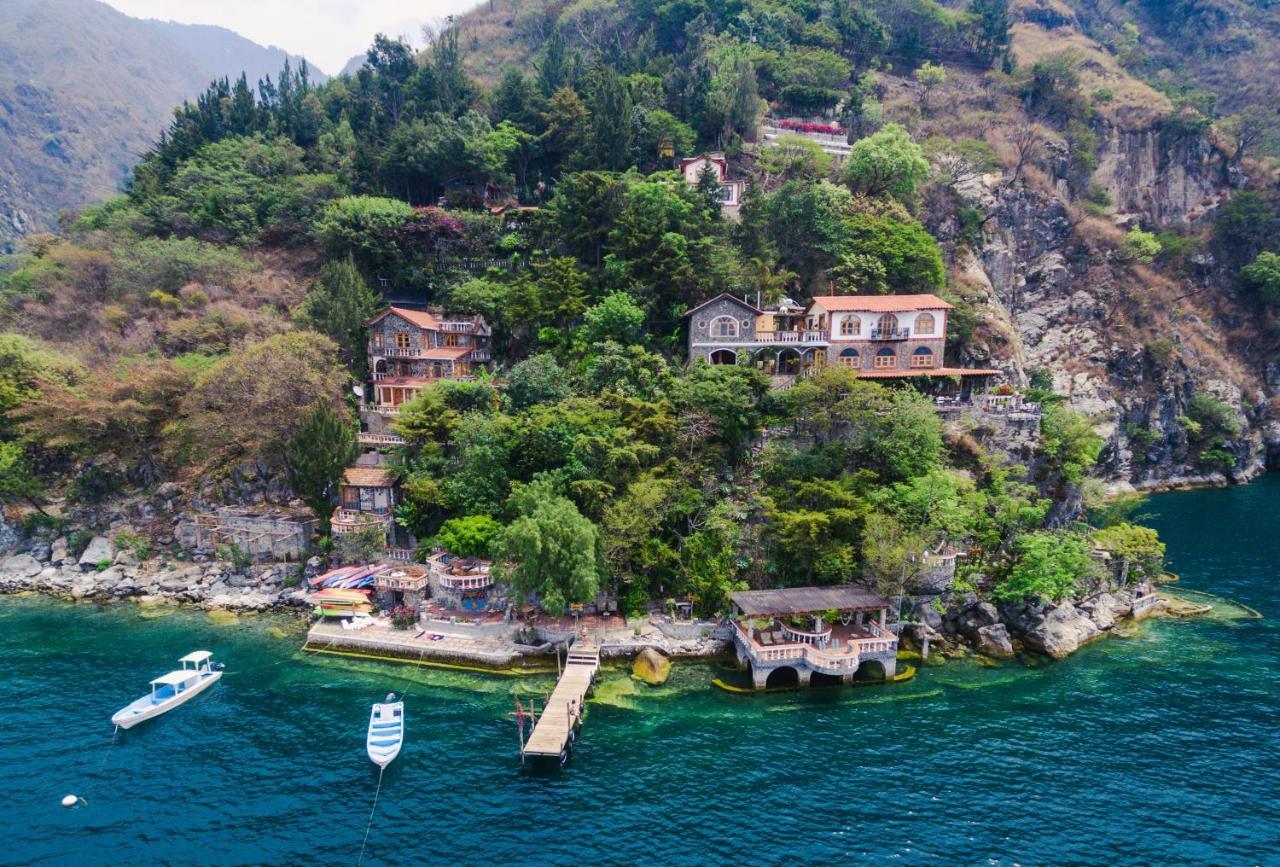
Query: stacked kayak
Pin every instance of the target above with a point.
(338, 602)
(350, 577)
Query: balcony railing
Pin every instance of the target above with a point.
(352, 521)
(804, 337)
(480, 355)
(396, 351)
(373, 439)
(479, 581)
(890, 333)
(840, 657)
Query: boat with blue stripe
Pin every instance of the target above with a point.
(386, 731)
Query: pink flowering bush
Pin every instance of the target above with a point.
(811, 126)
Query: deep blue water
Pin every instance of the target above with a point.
(1156, 746)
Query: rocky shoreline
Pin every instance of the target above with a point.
(104, 574)
(101, 573)
(1000, 631)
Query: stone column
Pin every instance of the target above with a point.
(804, 673)
(759, 676)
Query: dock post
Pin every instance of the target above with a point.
(924, 648)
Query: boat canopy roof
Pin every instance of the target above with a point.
(173, 678)
(196, 656)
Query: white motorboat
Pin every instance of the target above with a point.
(197, 674)
(386, 731)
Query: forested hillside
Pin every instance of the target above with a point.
(84, 91)
(1109, 241)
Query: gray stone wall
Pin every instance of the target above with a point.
(902, 348)
(701, 341)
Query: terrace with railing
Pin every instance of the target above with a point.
(833, 649)
(461, 573)
(379, 439)
(352, 521)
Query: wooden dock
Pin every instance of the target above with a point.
(553, 733)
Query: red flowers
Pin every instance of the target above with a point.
(810, 126)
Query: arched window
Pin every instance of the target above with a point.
(886, 359)
(850, 326)
(724, 326)
(887, 325)
(922, 357)
(924, 324)
(848, 357)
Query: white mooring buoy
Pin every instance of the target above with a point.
(70, 801)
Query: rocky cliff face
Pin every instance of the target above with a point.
(1121, 343)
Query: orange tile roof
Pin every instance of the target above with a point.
(445, 353)
(420, 318)
(370, 477)
(880, 303)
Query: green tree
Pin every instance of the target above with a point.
(907, 254)
(550, 550)
(991, 28)
(1069, 442)
(1135, 547)
(1138, 246)
(246, 404)
(538, 379)
(366, 228)
(17, 478)
(887, 162)
(1048, 566)
(337, 306)
(1262, 278)
(617, 317)
(930, 77)
(470, 536)
(324, 444)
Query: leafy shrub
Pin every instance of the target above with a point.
(1138, 246)
(78, 541)
(137, 545)
(235, 555)
(404, 616)
(1213, 415)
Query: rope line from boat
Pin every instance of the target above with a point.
(106, 755)
(369, 826)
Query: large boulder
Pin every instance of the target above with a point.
(994, 640)
(100, 549)
(651, 667)
(974, 617)
(22, 564)
(927, 614)
(1101, 609)
(1060, 631)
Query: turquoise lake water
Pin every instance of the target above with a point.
(1156, 746)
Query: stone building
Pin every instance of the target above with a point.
(780, 635)
(731, 191)
(410, 349)
(367, 497)
(880, 336)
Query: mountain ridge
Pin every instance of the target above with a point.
(76, 114)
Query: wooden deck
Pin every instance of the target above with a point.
(553, 732)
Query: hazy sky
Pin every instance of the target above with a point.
(327, 32)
